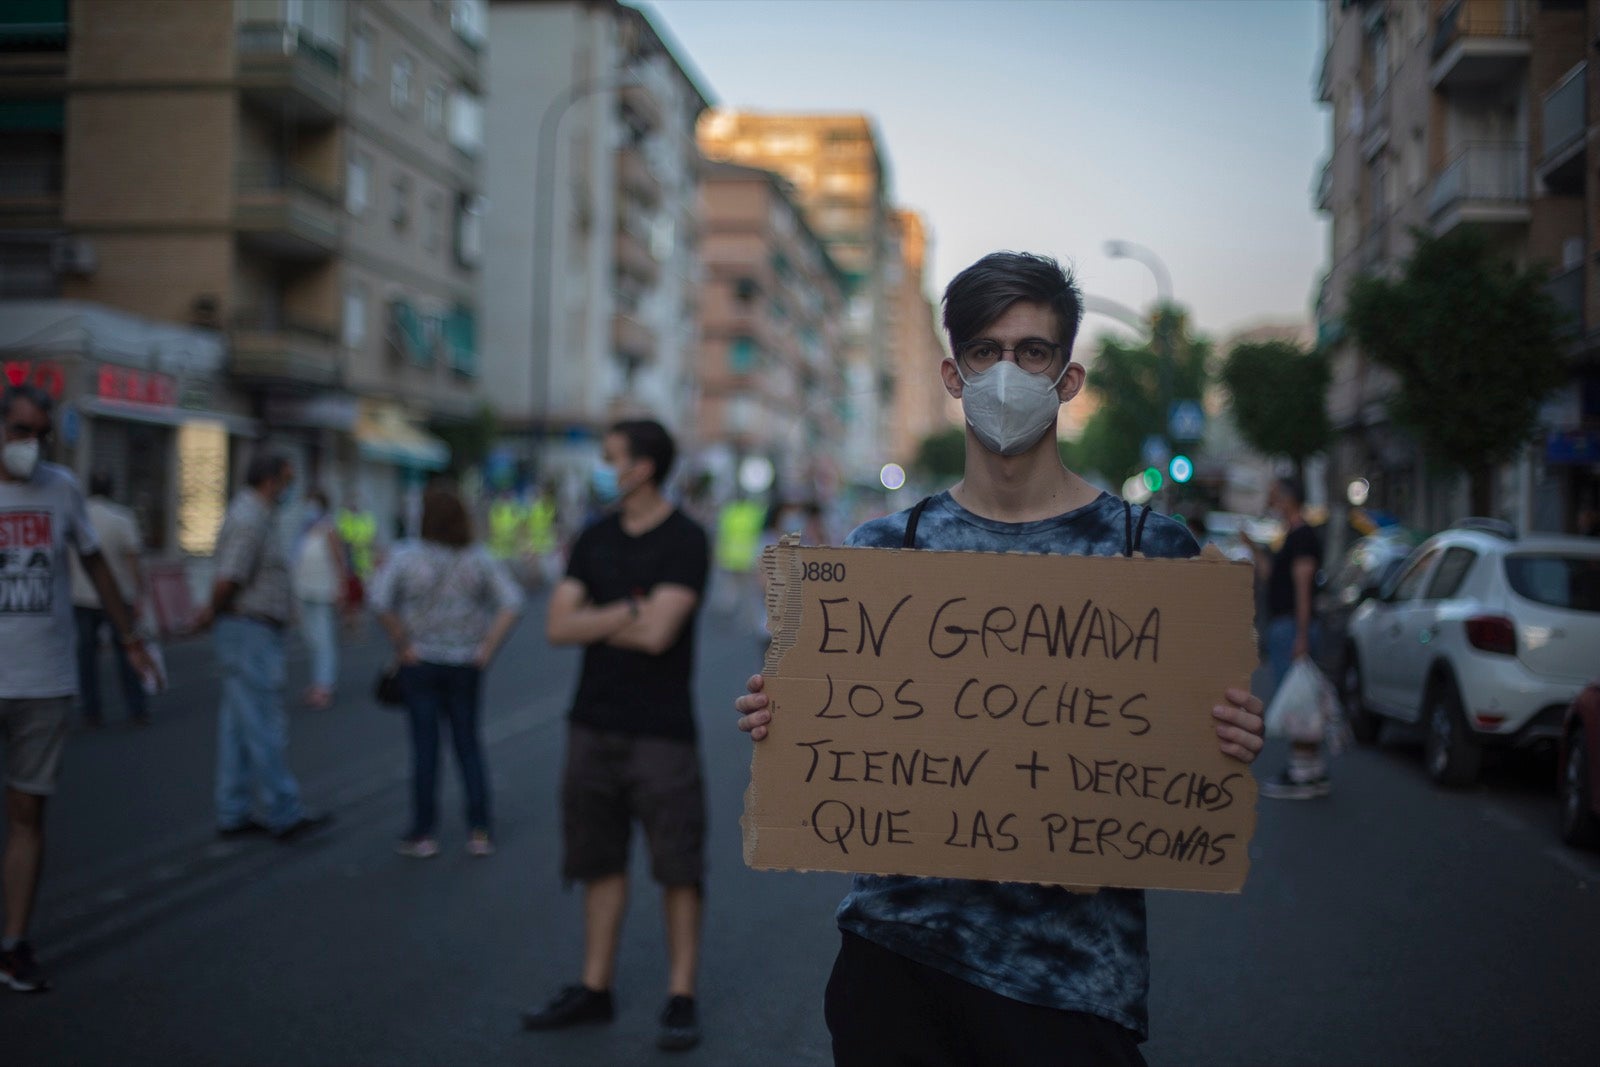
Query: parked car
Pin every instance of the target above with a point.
(1482, 638)
(1359, 574)
(1576, 777)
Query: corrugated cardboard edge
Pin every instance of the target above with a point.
(780, 569)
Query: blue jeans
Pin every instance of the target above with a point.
(134, 699)
(252, 727)
(321, 634)
(435, 691)
(1280, 646)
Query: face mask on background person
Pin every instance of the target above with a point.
(21, 457)
(604, 481)
(1008, 408)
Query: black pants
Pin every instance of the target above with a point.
(884, 1009)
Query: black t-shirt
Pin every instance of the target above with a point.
(619, 689)
(1301, 541)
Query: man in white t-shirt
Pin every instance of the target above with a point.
(120, 544)
(42, 520)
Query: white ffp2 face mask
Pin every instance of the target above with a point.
(1008, 408)
(21, 457)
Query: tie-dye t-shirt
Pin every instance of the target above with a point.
(1039, 944)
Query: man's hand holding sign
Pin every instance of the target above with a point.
(1005, 717)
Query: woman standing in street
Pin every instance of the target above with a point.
(319, 584)
(447, 605)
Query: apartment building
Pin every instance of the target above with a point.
(771, 369)
(922, 406)
(1448, 113)
(299, 176)
(591, 265)
(840, 174)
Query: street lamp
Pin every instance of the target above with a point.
(1158, 337)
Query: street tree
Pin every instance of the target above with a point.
(1130, 382)
(1475, 343)
(942, 455)
(1279, 395)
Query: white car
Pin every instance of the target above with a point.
(1481, 638)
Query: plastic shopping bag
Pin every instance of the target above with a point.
(1306, 709)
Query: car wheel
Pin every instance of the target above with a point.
(1364, 725)
(1578, 823)
(1452, 754)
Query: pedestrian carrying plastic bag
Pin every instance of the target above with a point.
(1306, 709)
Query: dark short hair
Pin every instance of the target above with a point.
(101, 484)
(264, 467)
(984, 291)
(31, 393)
(444, 517)
(1290, 486)
(648, 439)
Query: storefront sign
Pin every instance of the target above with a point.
(44, 375)
(136, 386)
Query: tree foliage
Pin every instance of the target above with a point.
(942, 456)
(1279, 394)
(1475, 343)
(469, 439)
(1127, 381)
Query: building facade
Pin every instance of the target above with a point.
(840, 175)
(592, 263)
(1448, 113)
(299, 176)
(771, 368)
(922, 406)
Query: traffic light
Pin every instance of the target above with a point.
(1152, 479)
(1181, 468)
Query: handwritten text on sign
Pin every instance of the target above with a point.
(1003, 717)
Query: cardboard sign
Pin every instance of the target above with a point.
(1003, 717)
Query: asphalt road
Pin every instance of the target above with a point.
(1389, 923)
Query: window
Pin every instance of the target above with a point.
(357, 173)
(742, 355)
(361, 56)
(466, 122)
(355, 317)
(469, 230)
(1452, 572)
(433, 108)
(1410, 584)
(400, 83)
(401, 191)
(433, 233)
(469, 18)
(1571, 582)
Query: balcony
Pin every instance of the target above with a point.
(1485, 183)
(632, 339)
(30, 190)
(1325, 78)
(269, 348)
(1374, 251)
(1375, 121)
(285, 213)
(1477, 43)
(635, 176)
(1564, 134)
(281, 70)
(1566, 289)
(1325, 187)
(634, 258)
(640, 110)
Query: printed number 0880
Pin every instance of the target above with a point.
(824, 572)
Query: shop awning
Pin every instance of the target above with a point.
(387, 436)
(160, 415)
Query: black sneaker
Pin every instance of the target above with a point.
(680, 1027)
(18, 970)
(575, 1004)
(305, 824)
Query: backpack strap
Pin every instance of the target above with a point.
(912, 520)
(1127, 528)
(1138, 530)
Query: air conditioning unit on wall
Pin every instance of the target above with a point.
(73, 255)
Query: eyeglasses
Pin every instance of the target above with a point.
(16, 431)
(1034, 355)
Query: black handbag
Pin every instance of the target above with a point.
(386, 690)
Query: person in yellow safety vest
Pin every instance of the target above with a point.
(542, 524)
(739, 535)
(506, 524)
(359, 530)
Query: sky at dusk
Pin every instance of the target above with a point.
(1053, 126)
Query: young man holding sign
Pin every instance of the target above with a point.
(941, 970)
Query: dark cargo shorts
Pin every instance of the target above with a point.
(610, 780)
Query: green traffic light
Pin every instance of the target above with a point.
(1181, 468)
(1152, 479)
